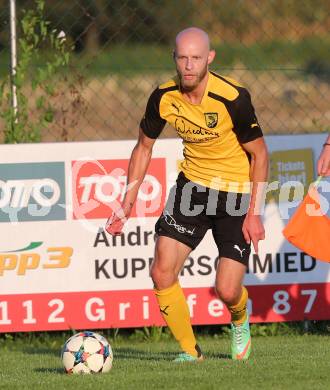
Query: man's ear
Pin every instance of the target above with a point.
(211, 56)
(173, 54)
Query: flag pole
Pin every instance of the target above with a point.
(13, 60)
(317, 182)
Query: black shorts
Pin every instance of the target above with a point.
(192, 209)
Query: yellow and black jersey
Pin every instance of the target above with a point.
(212, 131)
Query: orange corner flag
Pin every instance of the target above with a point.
(309, 229)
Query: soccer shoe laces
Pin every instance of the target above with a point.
(238, 333)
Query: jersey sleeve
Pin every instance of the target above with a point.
(246, 125)
(152, 123)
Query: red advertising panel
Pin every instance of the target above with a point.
(99, 187)
(135, 308)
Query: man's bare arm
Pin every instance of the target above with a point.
(138, 165)
(253, 229)
(137, 168)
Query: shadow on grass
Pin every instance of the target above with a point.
(218, 356)
(135, 354)
(42, 351)
(42, 370)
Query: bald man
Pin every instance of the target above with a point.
(225, 158)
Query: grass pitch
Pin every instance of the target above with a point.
(277, 362)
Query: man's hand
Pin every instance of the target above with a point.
(323, 163)
(253, 230)
(116, 221)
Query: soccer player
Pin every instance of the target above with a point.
(323, 163)
(224, 150)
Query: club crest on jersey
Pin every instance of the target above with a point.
(211, 119)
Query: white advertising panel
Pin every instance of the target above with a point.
(60, 270)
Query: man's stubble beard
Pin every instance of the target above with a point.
(200, 77)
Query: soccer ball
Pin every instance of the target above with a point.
(86, 353)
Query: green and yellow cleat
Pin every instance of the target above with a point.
(240, 340)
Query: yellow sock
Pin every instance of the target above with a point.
(175, 311)
(238, 312)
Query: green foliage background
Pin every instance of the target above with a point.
(121, 49)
